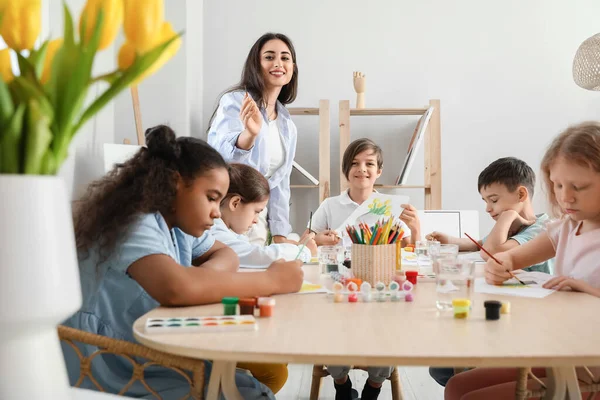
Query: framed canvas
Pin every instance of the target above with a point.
(413, 146)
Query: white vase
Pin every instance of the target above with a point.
(39, 285)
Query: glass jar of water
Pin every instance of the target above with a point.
(454, 279)
(330, 258)
(423, 251)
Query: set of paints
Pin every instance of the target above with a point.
(394, 291)
(230, 321)
(201, 324)
(256, 306)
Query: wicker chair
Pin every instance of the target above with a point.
(129, 350)
(522, 393)
(320, 372)
(592, 388)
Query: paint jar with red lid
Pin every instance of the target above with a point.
(411, 276)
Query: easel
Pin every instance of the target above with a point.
(137, 114)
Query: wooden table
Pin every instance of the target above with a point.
(560, 331)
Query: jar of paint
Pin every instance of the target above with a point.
(229, 305)
(380, 292)
(394, 291)
(411, 276)
(461, 308)
(266, 305)
(247, 306)
(399, 277)
(492, 310)
(365, 290)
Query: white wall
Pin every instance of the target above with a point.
(501, 69)
(171, 96)
(164, 95)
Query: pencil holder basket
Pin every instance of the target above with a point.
(375, 263)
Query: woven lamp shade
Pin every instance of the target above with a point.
(586, 65)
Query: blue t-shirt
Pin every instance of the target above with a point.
(528, 233)
(112, 301)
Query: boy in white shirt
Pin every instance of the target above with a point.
(362, 164)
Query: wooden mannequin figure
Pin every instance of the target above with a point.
(359, 87)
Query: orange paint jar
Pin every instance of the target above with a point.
(266, 305)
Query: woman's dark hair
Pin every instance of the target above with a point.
(145, 183)
(252, 80)
(248, 183)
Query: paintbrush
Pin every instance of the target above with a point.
(302, 247)
(493, 258)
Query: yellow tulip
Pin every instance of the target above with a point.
(113, 18)
(143, 22)
(21, 23)
(53, 46)
(5, 68)
(166, 33)
(126, 55)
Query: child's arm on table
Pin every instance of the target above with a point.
(174, 285)
(507, 225)
(219, 257)
(464, 244)
(533, 252)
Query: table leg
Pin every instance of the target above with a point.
(562, 384)
(230, 390)
(214, 383)
(573, 391)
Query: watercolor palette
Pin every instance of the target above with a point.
(201, 324)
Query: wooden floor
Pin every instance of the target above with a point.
(416, 384)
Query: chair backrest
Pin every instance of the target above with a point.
(452, 222)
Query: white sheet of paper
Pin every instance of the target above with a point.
(538, 277)
(512, 288)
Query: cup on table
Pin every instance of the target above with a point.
(330, 258)
(454, 279)
(423, 250)
(442, 251)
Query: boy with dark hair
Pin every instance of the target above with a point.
(506, 186)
